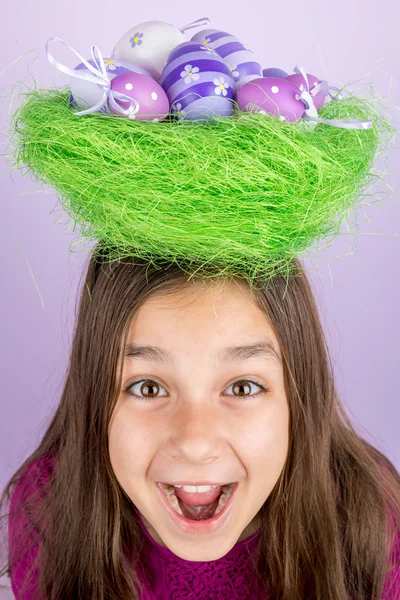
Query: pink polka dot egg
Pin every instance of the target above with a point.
(273, 95)
(153, 101)
(313, 81)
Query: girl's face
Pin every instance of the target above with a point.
(193, 419)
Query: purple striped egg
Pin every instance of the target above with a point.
(198, 83)
(85, 94)
(273, 95)
(298, 79)
(240, 60)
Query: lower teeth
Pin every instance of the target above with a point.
(173, 500)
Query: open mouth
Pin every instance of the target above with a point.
(198, 506)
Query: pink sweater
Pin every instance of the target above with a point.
(171, 576)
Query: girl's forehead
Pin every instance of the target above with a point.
(226, 309)
(202, 318)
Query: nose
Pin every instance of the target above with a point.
(196, 433)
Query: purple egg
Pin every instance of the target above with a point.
(241, 61)
(153, 101)
(273, 72)
(298, 79)
(272, 95)
(198, 83)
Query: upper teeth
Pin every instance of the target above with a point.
(193, 489)
(196, 488)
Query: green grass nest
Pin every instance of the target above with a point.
(245, 194)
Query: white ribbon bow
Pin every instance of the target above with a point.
(311, 112)
(99, 77)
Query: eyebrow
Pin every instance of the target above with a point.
(231, 354)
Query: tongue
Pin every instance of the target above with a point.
(198, 513)
(199, 499)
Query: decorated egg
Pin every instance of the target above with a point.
(272, 95)
(85, 94)
(273, 72)
(198, 83)
(241, 61)
(298, 79)
(148, 45)
(153, 101)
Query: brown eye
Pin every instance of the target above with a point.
(239, 385)
(149, 389)
(152, 386)
(243, 385)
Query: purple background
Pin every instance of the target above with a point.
(355, 280)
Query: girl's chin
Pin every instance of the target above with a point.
(251, 528)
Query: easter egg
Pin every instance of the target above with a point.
(240, 60)
(148, 45)
(153, 101)
(85, 94)
(298, 79)
(273, 72)
(272, 95)
(198, 83)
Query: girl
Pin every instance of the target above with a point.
(200, 449)
(172, 381)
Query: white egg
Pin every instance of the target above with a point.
(148, 45)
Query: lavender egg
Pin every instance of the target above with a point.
(198, 83)
(273, 72)
(153, 101)
(240, 60)
(85, 94)
(272, 95)
(298, 79)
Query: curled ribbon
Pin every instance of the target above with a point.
(99, 77)
(194, 24)
(311, 112)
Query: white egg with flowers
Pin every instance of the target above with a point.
(148, 45)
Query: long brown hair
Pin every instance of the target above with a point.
(325, 530)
